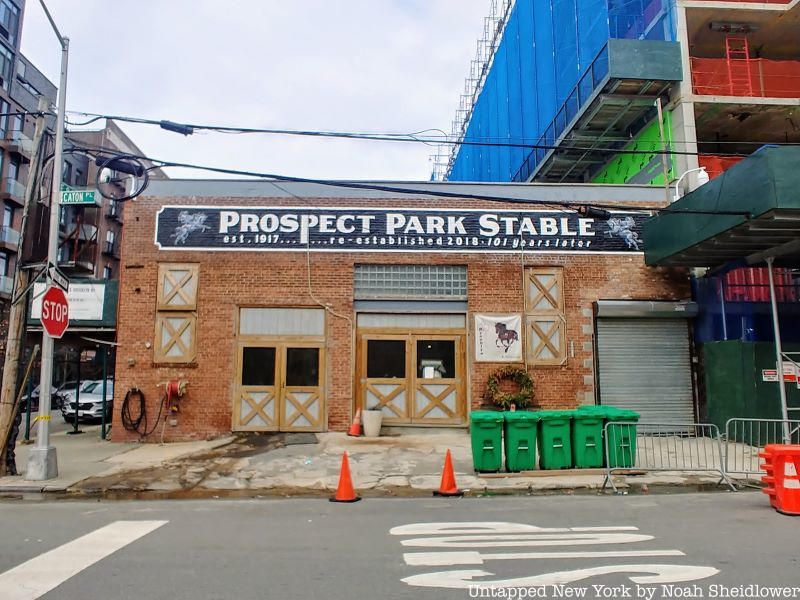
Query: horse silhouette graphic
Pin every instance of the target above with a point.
(189, 223)
(505, 336)
(623, 229)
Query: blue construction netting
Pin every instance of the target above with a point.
(549, 61)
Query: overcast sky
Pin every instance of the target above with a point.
(355, 65)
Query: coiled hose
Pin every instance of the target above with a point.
(137, 420)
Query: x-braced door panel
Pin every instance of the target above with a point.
(280, 389)
(384, 367)
(413, 378)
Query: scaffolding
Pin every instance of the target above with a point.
(493, 29)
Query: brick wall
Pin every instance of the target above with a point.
(228, 280)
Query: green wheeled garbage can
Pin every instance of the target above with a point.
(587, 439)
(520, 440)
(486, 429)
(555, 449)
(621, 430)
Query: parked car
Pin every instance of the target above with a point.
(55, 400)
(90, 401)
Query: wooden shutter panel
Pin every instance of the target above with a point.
(177, 286)
(176, 337)
(546, 340)
(544, 292)
(545, 321)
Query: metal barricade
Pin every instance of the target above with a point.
(744, 439)
(675, 447)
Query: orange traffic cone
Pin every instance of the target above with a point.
(448, 485)
(345, 491)
(355, 428)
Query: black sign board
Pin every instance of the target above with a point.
(272, 229)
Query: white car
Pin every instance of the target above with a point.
(90, 401)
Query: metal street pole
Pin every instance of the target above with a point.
(776, 326)
(42, 459)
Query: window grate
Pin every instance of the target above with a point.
(392, 282)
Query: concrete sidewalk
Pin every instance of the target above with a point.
(85, 456)
(404, 464)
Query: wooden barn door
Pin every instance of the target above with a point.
(413, 378)
(280, 388)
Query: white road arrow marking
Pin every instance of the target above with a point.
(516, 540)
(451, 528)
(446, 559)
(654, 574)
(34, 578)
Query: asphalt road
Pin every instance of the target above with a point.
(268, 548)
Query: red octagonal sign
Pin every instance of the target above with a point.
(55, 312)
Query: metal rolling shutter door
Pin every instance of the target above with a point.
(645, 365)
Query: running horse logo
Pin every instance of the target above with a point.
(505, 336)
(189, 223)
(623, 228)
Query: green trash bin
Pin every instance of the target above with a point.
(555, 449)
(587, 439)
(520, 440)
(621, 437)
(486, 429)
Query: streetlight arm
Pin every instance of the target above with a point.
(61, 38)
(678, 183)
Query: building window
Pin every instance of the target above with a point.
(9, 20)
(3, 264)
(106, 272)
(8, 216)
(6, 65)
(545, 321)
(13, 169)
(4, 110)
(110, 241)
(176, 316)
(416, 282)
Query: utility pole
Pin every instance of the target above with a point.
(16, 315)
(42, 459)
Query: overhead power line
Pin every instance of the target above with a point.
(380, 187)
(414, 137)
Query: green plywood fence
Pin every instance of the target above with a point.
(734, 384)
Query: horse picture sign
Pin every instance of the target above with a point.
(367, 229)
(498, 338)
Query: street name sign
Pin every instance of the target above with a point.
(78, 197)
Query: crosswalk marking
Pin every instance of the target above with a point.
(34, 578)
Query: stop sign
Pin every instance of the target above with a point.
(55, 312)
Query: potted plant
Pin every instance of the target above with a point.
(522, 398)
(373, 418)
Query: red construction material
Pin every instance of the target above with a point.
(448, 486)
(782, 465)
(717, 165)
(737, 55)
(355, 428)
(767, 78)
(751, 284)
(345, 491)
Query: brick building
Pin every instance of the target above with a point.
(287, 307)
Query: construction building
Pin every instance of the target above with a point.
(571, 91)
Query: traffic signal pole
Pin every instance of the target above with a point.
(42, 459)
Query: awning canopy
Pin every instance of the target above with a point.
(749, 213)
